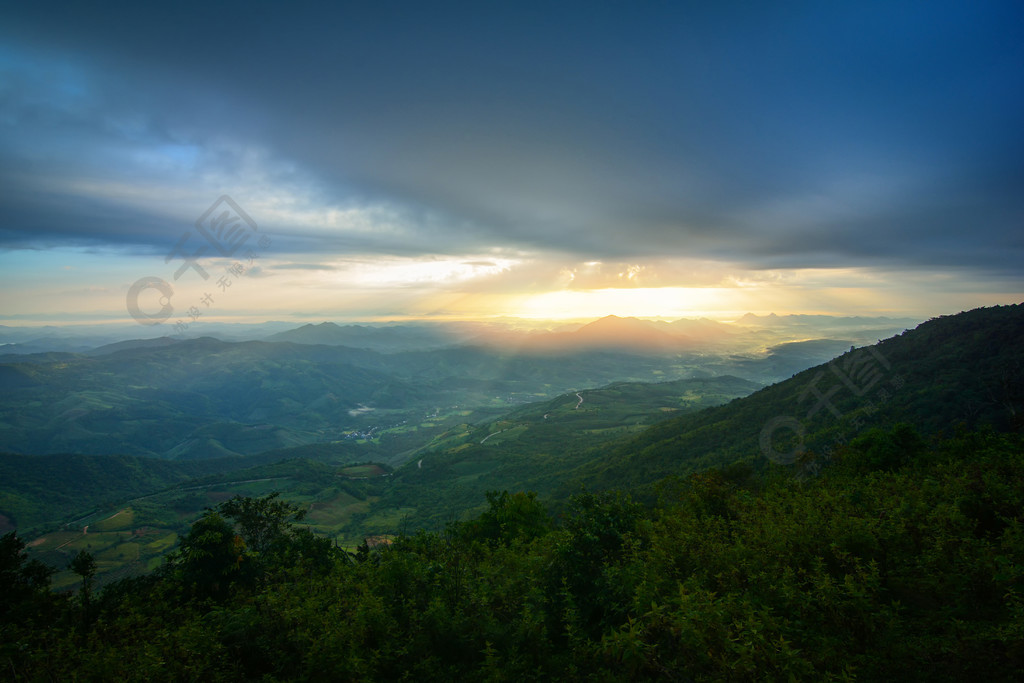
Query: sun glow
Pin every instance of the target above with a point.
(660, 302)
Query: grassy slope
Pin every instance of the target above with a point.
(536, 446)
(966, 369)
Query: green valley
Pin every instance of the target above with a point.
(860, 518)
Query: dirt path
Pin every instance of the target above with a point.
(66, 542)
(119, 512)
(490, 435)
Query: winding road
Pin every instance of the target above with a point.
(490, 435)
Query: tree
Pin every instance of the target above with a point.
(24, 583)
(211, 556)
(888, 450)
(84, 565)
(509, 517)
(594, 545)
(262, 521)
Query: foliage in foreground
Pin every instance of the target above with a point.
(902, 561)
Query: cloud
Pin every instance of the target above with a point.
(303, 266)
(872, 136)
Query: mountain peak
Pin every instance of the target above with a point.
(752, 319)
(616, 332)
(610, 321)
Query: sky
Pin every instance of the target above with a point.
(187, 162)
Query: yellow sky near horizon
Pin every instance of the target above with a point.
(77, 286)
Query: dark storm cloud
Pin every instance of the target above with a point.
(811, 135)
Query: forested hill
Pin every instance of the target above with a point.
(909, 573)
(962, 370)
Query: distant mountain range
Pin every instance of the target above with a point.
(796, 319)
(204, 397)
(384, 339)
(459, 421)
(609, 332)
